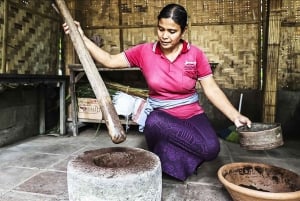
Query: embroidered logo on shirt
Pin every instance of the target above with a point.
(190, 65)
(190, 62)
(190, 69)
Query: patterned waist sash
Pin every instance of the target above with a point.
(146, 107)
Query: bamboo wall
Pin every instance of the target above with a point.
(289, 53)
(228, 32)
(32, 37)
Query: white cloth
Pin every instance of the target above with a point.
(124, 105)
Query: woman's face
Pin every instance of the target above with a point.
(169, 33)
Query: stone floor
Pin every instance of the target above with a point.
(36, 169)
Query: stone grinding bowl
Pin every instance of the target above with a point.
(261, 136)
(259, 182)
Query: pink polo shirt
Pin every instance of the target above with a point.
(171, 80)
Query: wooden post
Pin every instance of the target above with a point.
(69, 52)
(121, 31)
(112, 120)
(271, 70)
(189, 26)
(4, 34)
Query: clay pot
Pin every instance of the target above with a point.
(261, 136)
(259, 182)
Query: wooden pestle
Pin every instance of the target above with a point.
(111, 118)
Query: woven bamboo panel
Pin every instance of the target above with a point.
(111, 40)
(97, 12)
(132, 37)
(32, 38)
(233, 45)
(289, 59)
(291, 10)
(289, 55)
(143, 12)
(36, 5)
(234, 49)
(224, 11)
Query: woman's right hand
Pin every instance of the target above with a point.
(67, 29)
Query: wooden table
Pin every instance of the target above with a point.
(43, 80)
(76, 73)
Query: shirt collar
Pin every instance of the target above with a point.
(157, 50)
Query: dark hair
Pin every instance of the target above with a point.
(176, 12)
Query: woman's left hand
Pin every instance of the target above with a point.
(241, 121)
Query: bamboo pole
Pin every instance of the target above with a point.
(189, 25)
(112, 120)
(121, 31)
(142, 93)
(271, 71)
(69, 52)
(4, 34)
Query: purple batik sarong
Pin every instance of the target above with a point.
(181, 144)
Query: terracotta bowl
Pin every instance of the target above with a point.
(259, 182)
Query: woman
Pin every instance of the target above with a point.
(177, 129)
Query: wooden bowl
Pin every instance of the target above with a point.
(261, 136)
(259, 182)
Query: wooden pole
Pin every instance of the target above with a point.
(4, 34)
(69, 51)
(271, 71)
(112, 120)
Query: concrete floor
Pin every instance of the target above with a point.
(36, 169)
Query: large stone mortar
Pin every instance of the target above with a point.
(115, 174)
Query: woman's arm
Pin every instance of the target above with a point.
(219, 99)
(101, 56)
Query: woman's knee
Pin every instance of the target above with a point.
(213, 149)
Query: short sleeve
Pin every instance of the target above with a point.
(203, 66)
(134, 55)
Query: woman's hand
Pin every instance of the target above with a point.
(241, 121)
(99, 55)
(219, 99)
(67, 29)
